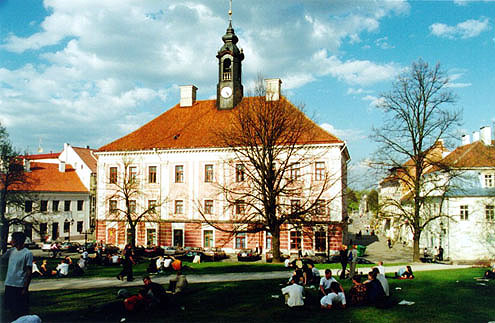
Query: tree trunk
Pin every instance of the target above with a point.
(133, 234)
(416, 236)
(276, 245)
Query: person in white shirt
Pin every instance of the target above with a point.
(334, 298)
(167, 262)
(159, 264)
(294, 294)
(63, 269)
(380, 267)
(36, 270)
(18, 278)
(326, 282)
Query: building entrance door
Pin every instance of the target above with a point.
(178, 238)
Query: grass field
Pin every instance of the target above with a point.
(439, 296)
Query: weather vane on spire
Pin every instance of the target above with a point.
(230, 10)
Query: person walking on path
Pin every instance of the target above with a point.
(18, 278)
(127, 264)
(343, 260)
(353, 260)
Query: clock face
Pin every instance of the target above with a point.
(226, 92)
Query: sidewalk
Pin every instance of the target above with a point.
(81, 283)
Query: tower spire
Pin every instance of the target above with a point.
(230, 11)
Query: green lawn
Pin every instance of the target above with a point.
(190, 268)
(449, 296)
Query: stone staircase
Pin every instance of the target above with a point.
(379, 251)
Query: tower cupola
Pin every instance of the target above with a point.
(229, 87)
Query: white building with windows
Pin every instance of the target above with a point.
(467, 230)
(179, 166)
(60, 204)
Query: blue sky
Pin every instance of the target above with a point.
(87, 72)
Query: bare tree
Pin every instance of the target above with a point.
(269, 181)
(127, 201)
(14, 187)
(418, 115)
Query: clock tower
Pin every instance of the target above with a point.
(229, 87)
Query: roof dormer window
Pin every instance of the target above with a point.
(489, 180)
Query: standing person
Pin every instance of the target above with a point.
(18, 278)
(353, 260)
(343, 260)
(127, 264)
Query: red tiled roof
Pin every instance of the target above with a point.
(41, 156)
(87, 156)
(45, 177)
(475, 154)
(191, 127)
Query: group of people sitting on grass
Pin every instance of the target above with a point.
(65, 268)
(490, 273)
(152, 294)
(373, 291)
(162, 264)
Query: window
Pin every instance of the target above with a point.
(321, 207)
(239, 207)
(319, 171)
(490, 212)
(320, 241)
(488, 180)
(240, 241)
(152, 206)
(43, 230)
(208, 173)
(152, 174)
(113, 175)
(207, 238)
(295, 240)
(295, 172)
(132, 206)
(28, 206)
(268, 244)
(295, 205)
(179, 207)
(80, 204)
(44, 206)
(239, 173)
(132, 174)
(80, 226)
(464, 212)
(208, 206)
(55, 204)
(112, 206)
(67, 205)
(179, 174)
(66, 227)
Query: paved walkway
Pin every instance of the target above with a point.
(99, 282)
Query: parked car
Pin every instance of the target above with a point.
(190, 253)
(110, 249)
(214, 254)
(46, 247)
(153, 251)
(70, 246)
(170, 251)
(269, 257)
(88, 246)
(248, 255)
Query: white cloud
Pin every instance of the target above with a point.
(374, 101)
(466, 29)
(383, 43)
(101, 65)
(353, 91)
(349, 135)
(356, 72)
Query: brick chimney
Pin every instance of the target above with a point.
(187, 95)
(61, 166)
(476, 136)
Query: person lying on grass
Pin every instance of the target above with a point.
(335, 298)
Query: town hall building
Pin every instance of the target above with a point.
(177, 165)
